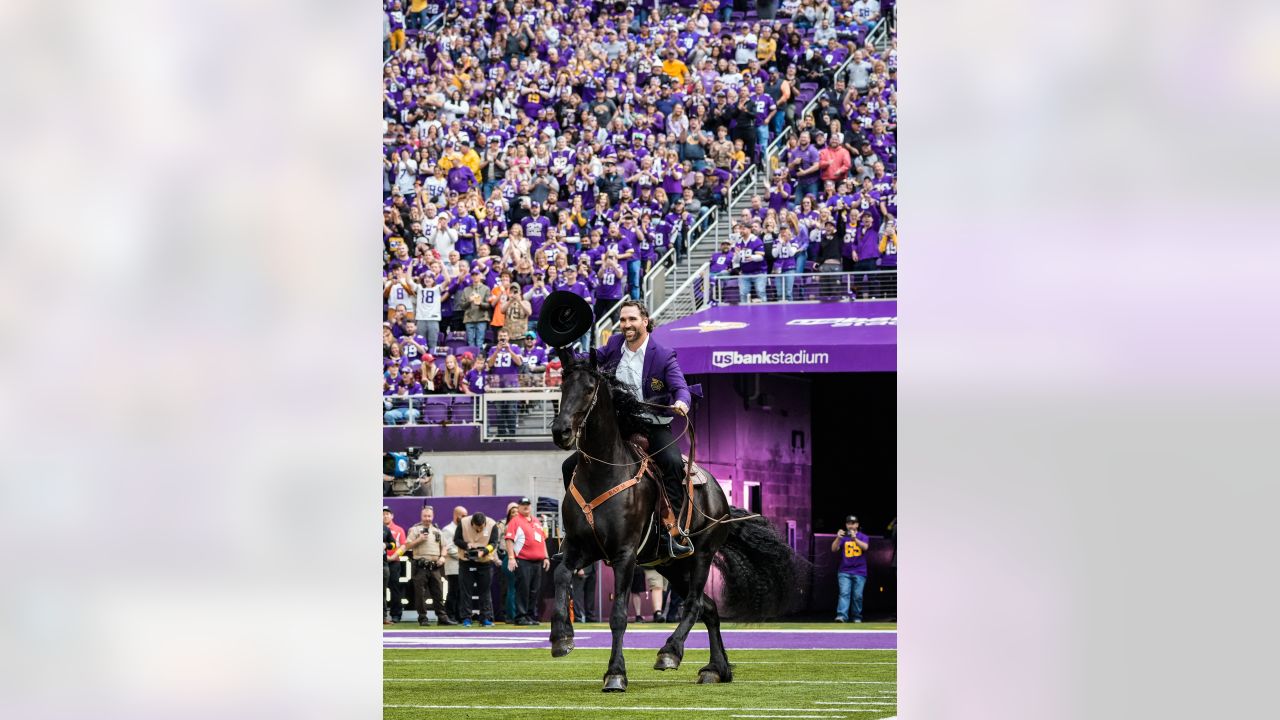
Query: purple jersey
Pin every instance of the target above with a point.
(752, 247)
(503, 364)
(762, 105)
(475, 379)
(611, 282)
(535, 228)
(889, 258)
(461, 179)
(853, 561)
(580, 289)
(721, 262)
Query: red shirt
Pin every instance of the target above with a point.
(397, 532)
(528, 536)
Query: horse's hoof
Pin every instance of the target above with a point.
(708, 676)
(560, 648)
(666, 661)
(615, 683)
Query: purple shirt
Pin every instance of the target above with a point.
(868, 243)
(721, 262)
(502, 362)
(536, 296)
(853, 561)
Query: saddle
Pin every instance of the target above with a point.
(664, 510)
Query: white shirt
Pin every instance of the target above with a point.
(631, 372)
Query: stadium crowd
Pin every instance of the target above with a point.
(537, 146)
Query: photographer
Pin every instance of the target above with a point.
(477, 541)
(395, 568)
(503, 367)
(426, 542)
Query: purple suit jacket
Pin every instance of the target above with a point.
(663, 381)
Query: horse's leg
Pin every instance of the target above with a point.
(718, 670)
(690, 589)
(615, 678)
(561, 628)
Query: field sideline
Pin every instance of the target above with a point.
(526, 682)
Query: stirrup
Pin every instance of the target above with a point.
(679, 547)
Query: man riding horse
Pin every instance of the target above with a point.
(651, 372)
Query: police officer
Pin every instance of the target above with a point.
(426, 542)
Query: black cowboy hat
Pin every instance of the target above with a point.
(565, 317)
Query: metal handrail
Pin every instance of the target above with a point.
(810, 287)
(702, 275)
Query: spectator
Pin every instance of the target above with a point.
(803, 165)
(527, 558)
(395, 583)
(516, 311)
(427, 304)
(723, 260)
(503, 368)
(452, 379)
(750, 263)
(535, 360)
(476, 539)
(452, 602)
(473, 301)
(852, 573)
(426, 542)
(834, 160)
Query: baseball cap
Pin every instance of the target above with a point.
(386, 508)
(851, 518)
(525, 501)
(531, 334)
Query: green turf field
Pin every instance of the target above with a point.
(529, 683)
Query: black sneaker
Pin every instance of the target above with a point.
(658, 618)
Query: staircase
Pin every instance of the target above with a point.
(704, 244)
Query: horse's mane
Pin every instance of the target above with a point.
(626, 407)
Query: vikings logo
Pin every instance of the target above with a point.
(655, 384)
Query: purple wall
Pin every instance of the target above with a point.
(741, 439)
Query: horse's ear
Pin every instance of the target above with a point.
(566, 357)
(592, 362)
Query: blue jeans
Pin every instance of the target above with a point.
(807, 188)
(788, 282)
(762, 140)
(633, 278)
(779, 119)
(850, 588)
(475, 333)
(486, 188)
(430, 331)
(400, 416)
(746, 282)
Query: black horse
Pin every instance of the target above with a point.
(761, 573)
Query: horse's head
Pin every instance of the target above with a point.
(580, 391)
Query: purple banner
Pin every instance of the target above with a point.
(790, 337)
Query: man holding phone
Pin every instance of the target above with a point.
(852, 545)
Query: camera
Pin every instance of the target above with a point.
(405, 469)
(473, 554)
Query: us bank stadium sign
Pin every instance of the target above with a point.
(845, 321)
(729, 358)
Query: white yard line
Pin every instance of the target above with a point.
(652, 682)
(786, 716)
(661, 631)
(863, 702)
(687, 658)
(612, 708)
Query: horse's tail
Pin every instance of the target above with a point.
(763, 578)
